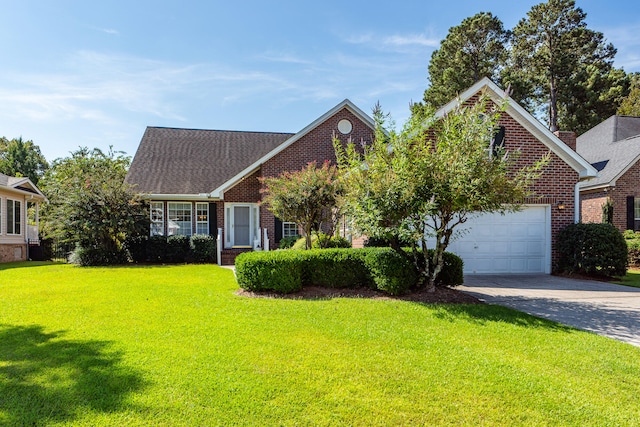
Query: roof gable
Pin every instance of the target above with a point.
(526, 120)
(22, 185)
(218, 192)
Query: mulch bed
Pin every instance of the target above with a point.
(440, 296)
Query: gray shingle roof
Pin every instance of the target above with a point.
(191, 161)
(615, 141)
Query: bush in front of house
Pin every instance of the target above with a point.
(592, 249)
(322, 241)
(87, 256)
(137, 248)
(632, 238)
(279, 271)
(202, 248)
(390, 272)
(157, 249)
(377, 268)
(334, 268)
(288, 242)
(177, 248)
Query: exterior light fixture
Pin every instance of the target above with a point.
(561, 206)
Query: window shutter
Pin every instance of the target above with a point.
(498, 140)
(630, 213)
(278, 231)
(213, 220)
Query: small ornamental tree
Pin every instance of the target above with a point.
(309, 197)
(91, 206)
(419, 185)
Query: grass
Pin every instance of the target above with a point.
(173, 346)
(632, 278)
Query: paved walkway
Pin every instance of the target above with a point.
(603, 308)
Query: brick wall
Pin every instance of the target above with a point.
(591, 206)
(568, 137)
(12, 252)
(626, 185)
(316, 145)
(557, 182)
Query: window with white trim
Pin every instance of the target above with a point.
(14, 216)
(156, 213)
(289, 229)
(202, 218)
(179, 215)
(0, 215)
(636, 213)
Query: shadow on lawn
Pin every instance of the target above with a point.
(483, 313)
(46, 379)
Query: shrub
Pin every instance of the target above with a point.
(390, 271)
(288, 242)
(383, 242)
(203, 248)
(592, 249)
(95, 256)
(632, 239)
(324, 241)
(137, 248)
(335, 268)
(279, 271)
(177, 248)
(378, 268)
(452, 271)
(157, 249)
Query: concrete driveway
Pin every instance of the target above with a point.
(603, 308)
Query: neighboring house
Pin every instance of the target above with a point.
(16, 235)
(206, 182)
(613, 148)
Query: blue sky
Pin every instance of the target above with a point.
(95, 74)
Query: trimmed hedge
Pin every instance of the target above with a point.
(592, 249)
(279, 271)
(377, 268)
(173, 249)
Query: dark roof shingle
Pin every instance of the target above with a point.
(192, 161)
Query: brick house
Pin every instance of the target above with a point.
(202, 181)
(17, 237)
(613, 148)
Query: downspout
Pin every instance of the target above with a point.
(576, 203)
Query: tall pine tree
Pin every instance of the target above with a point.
(472, 50)
(560, 66)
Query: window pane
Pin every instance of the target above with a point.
(157, 218)
(202, 218)
(17, 218)
(289, 229)
(10, 216)
(179, 219)
(636, 208)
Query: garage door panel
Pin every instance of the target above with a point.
(516, 242)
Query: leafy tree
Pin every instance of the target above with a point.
(472, 50)
(307, 197)
(22, 158)
(630, 105)
(90, 205)
(424, 182)
(554, 53)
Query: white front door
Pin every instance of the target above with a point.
(241, 224)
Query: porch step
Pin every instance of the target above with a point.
(228, 256)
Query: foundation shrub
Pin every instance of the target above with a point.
(592, 249)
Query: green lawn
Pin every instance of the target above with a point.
(173, 346)
(632, 278)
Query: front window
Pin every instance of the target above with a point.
(636, 213)
(157, 218)
(14, 215)
(202, 218)
(179, 215)
(289, 229)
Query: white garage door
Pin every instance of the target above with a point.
(516, 242)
